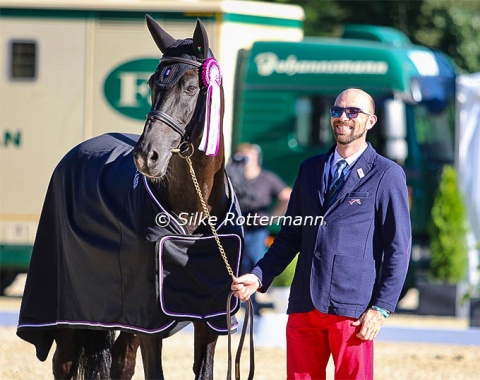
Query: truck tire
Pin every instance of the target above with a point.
(6, 279)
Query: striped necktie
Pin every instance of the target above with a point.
(337, 182)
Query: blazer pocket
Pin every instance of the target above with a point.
(359, 199)
(364, 194)
(353, 279)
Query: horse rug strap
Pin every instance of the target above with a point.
(248, 318)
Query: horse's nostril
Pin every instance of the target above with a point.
(152, 156)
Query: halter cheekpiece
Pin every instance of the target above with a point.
(211, 80)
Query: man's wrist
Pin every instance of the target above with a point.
(384, 312)
(259, 281)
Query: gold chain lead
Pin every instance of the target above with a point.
(212, 227)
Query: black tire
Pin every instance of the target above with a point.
(6, 279)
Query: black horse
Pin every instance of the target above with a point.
(126, 240)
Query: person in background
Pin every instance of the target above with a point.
(260, 193)
(353, 263)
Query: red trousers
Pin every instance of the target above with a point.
(312, 337)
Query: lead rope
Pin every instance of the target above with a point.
(248, 318)
(249, 307)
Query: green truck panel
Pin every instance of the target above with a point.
(15, 257)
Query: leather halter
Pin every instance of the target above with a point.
(188, 133)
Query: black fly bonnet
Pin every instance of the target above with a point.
(179, 56)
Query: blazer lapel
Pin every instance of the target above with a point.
(359, 170)
(321, 183)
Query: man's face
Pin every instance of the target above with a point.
(251, 156)
(347, 130)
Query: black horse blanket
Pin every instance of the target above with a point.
(102, 260)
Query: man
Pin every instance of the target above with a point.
(352, 265)
(260, 193)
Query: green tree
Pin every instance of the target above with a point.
(286, 277)
(448, 231)
(452, 26)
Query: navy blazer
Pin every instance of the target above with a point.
(354, 254)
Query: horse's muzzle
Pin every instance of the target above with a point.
(147, 163)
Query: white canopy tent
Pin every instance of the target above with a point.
(468, 162)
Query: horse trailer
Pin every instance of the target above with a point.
(74, 70)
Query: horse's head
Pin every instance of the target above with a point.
(178, 95)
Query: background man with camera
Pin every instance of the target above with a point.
(260, 193)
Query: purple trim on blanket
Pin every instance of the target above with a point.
(215, 328)
(97, 325)
(180, 228)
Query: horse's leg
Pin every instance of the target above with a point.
(124, 356)
(65, 359)
(151, 348)
(204, 351)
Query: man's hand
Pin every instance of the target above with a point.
(371, 322)
(244, 286)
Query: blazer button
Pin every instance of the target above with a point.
(317, 254)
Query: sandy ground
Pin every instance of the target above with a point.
(393, 360)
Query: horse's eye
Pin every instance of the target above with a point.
(191, 89)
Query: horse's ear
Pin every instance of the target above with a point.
(161, 38)
(200, 41)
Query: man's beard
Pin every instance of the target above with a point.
(345, 140)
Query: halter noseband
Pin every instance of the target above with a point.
(167, 119)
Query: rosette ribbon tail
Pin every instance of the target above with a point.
(211, 75)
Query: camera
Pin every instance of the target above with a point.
(239, 158)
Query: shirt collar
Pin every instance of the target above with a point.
(350, 160)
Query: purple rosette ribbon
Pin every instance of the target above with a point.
(212, 78)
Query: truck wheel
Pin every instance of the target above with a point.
(6, 279)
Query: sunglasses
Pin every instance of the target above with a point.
(351, 112)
